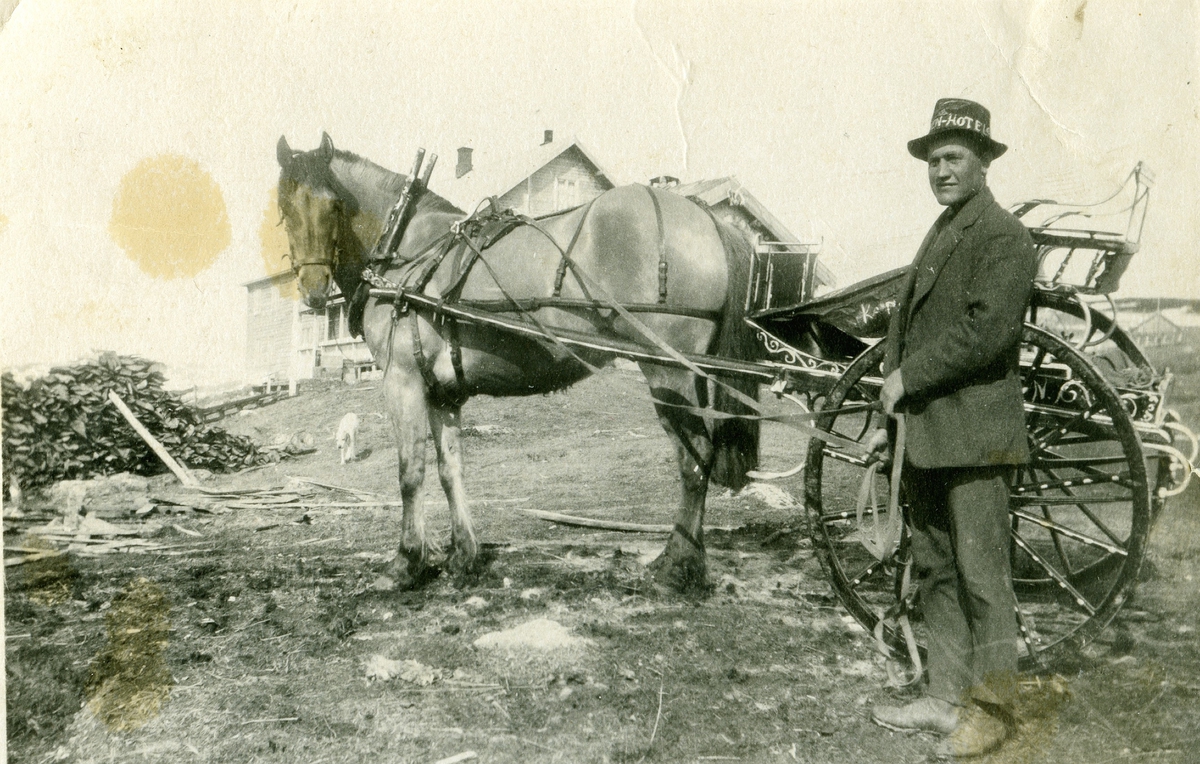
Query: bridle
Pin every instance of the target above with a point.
(335, 260)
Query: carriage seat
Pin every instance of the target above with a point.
(860, 310)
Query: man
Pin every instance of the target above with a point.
(952, 371)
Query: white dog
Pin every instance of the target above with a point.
(345, 436)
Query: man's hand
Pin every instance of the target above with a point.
(893, 391)
(877, 445)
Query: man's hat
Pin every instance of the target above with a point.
(958, 115)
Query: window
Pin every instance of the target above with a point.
(337, 326)
(566, 193)
(333, 320)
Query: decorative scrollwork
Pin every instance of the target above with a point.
(1129, 402)
(794, 356)
(377, 281)
(1073, 391)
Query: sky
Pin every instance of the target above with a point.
(809, 104)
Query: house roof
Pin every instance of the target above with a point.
(268, 279)
(1156, 322)
(729, 190)
(497, 175)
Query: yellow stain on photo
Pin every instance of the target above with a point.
(169, 217)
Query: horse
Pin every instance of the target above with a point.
(642, 246)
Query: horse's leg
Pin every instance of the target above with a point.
(446, 424)
(682, 565)
(404, 392)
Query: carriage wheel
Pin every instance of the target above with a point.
(1080, 509)
(1119, 360)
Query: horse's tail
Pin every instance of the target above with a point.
(735, 441)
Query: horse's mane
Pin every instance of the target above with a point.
(364, 171)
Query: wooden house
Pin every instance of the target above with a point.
(1157, 331)
(786, 269)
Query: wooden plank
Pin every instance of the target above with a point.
(588, 522)
(185, 476)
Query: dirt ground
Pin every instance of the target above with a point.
(255, 640)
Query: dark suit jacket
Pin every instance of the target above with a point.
(956, 334)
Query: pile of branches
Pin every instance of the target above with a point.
(63, 427)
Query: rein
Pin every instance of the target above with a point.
(883, 539)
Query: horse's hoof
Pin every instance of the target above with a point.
(410, 573)
(687, 576)
(466, 565)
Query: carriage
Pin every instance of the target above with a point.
(453, 305)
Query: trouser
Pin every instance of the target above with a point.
(960, 548)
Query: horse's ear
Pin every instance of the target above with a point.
(283, 152)
(326, 147)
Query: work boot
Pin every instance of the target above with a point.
(977, 733)
(923, 715)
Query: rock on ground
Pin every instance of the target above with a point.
(538, 634)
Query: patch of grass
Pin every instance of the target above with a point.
(45, 688)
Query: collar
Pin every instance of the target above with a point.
(970, 211)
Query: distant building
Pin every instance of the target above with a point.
(1157, 331)
(787, 270)
(547, 179)
(272, 323)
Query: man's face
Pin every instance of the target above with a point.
(956, 173)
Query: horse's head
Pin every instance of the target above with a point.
(313, 211)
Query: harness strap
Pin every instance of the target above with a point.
(437, 391)
(532, 318)
(423, 363)
(565, 255)
(898, 617)
(460, 379)
(607, 301)
(662, 247)
(883, 538)
(688, 537)
(587, 282)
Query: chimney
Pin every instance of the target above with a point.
(664, 181)
(464, 162)
(547, 137)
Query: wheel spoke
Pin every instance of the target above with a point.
(1095, 520)
(836, 517)
(842, 456)
(1081, 462)
(1058, 433)
(1026, 500)
(1057, 529)
(1121, 479)
(1036, 365)
(1055, 537)
(1064, 583)
(871, 570)
(1027, 635)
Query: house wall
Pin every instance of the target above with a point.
(566, 181)
(270, 323)
(334, 345)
